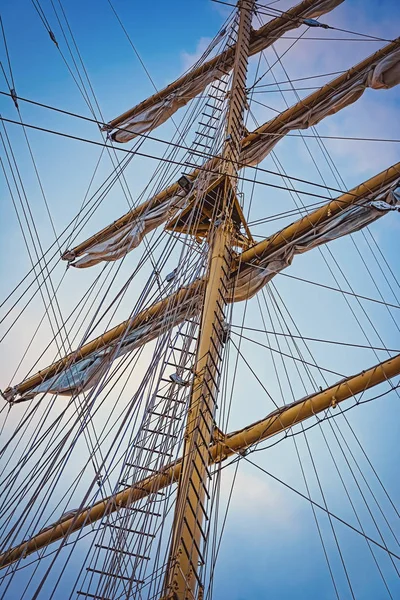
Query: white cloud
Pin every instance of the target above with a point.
(255, 498)
(188, 59)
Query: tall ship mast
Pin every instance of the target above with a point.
(158, 387)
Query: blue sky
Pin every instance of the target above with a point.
(271, 546)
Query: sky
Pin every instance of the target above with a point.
(271, 547)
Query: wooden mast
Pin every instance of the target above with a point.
(182, 581)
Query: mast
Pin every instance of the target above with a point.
(182, 581)
(220, 283)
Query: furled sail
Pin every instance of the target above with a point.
(383, 73)
(82, 370)
(379, 71)
(157, 109)
(354, 218)
(256, 267)
(130, 235)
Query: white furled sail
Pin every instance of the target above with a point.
(354, 218)
(384, 74)
(379, 71)
(159, 112)
(157, 109)
(249, 279)
(84, 374)
(130, 235)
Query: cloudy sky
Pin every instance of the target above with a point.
(271, 546)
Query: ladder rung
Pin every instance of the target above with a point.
(200, 144)
(194, 512)
(129, 531)
(213, 107)
(208, 126)
(192, 337)
(203, 535)
(160, 432)
(205, 135)
(210, 116)
(142, 510)
(200, 477)
(179, 366)
(194, 567)
(197, 493)
(108, 574)
(211, 376)
(194, 541)
(166, 415)
(116, 549)
(216, 348)
(211, 392)
(217, 87)
(167, 397)
(88, 595)
(141, 467)
(205, 464)
(214, 363)
(154, 450)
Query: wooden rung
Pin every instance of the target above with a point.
(203, 535)
(217, 87)
(108, 574)
(159, 432)
(208, 126)
(141, 467)
(200, 476)
(213, 107)
(179, 366)
(168, 397)
(200, 144)
(116, 549)
(129, 531)
(192, 337)
(165, 415)
(205, 135)
(210, 116)
(201, 558)
(197, 493)
(142, 510)
(200, 449)
(88, 595)
(153, 450)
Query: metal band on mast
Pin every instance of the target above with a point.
(182, 581)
